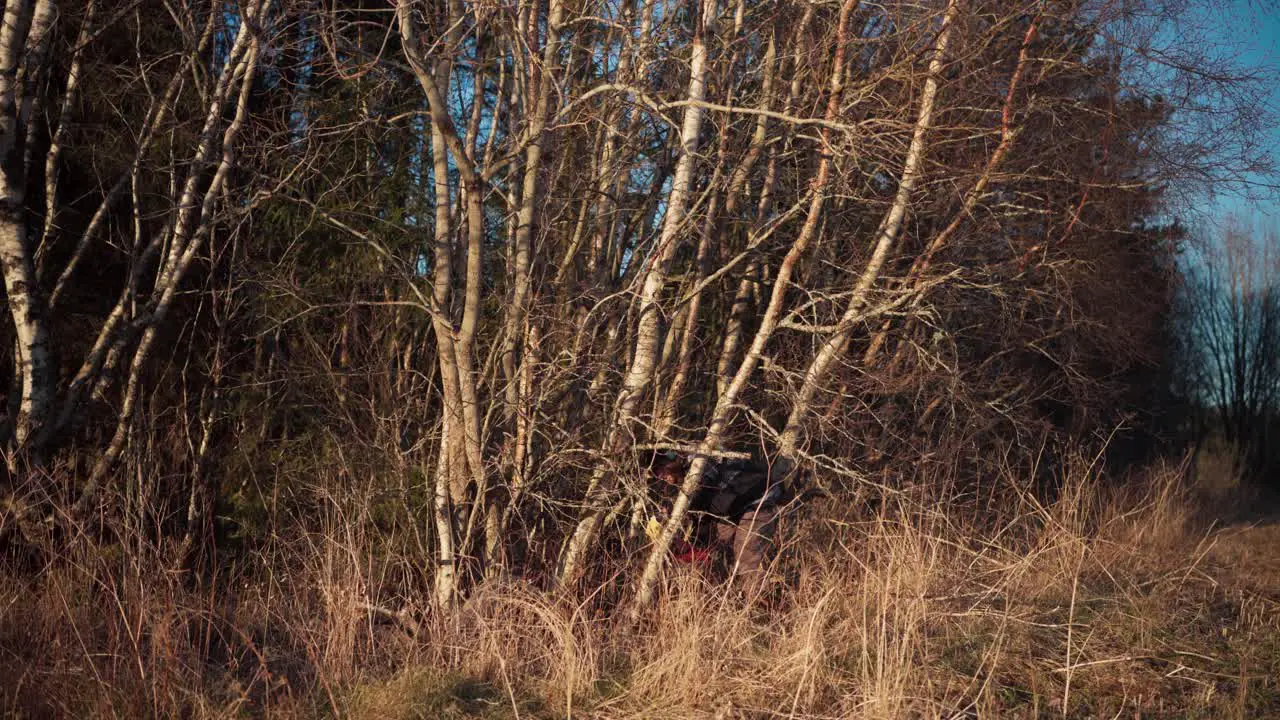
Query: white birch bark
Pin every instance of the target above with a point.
(59, 138)
(156, 115)
(102, 360)
(513, 363)
(727, 401)
(191, 225)
(610, 180)
(747, 283)
(460, 451)
(733, 195)
(33, 367)
(649, 329)
(887, 233)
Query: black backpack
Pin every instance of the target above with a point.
(737, 486)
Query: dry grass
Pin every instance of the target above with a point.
(1104, 603)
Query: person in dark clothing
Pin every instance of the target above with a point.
(734, 511)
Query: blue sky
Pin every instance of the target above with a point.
(1250, 30)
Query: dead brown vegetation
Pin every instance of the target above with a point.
(336, 332)
(1107, 601)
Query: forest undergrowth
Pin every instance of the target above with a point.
(1159, 597)
(341, 338)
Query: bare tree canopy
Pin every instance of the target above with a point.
(472, 257)
(1230, 307)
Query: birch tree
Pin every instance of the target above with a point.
(23, 39)
(482, 258)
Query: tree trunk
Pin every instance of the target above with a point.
(649, 330)
(727, 402)
(34, 368)
(833, 347)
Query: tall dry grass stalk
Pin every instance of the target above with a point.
(1102, 601)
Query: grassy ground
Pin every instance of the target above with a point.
(1158, 601)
